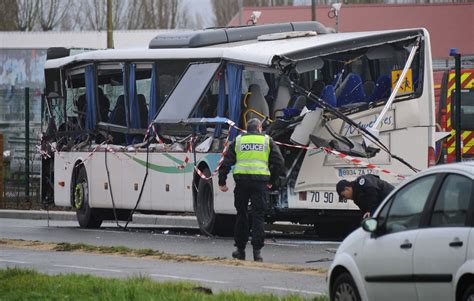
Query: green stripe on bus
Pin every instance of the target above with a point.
(164, 169)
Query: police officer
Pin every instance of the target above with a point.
(258, 163)
(366, 191)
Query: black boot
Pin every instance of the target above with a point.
(257, 256)
(239, 254)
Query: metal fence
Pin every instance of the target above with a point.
(20, 115)
(467, 61)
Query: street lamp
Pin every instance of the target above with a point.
(334, 13)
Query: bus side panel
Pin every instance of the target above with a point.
(167, 181)
(132, 182)
(427, 108)
(63, 166)
(225, 200)
(99, 185)
(412, 145)
(319, 182)
(210, 159)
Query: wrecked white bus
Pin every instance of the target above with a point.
(143, 130)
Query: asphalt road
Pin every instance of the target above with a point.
(278, 249)
(216, 277)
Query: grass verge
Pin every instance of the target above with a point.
(157, 255)
(25, 284)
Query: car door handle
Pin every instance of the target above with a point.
(406, 245)
(455, 243)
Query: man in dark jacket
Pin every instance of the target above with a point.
(258, 164)
(366, 191)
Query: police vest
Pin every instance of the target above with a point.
(252, 152)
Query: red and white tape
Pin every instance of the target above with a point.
(90, 154)
(219, 163)
(333, 152)
(186, 160)
(362, 163)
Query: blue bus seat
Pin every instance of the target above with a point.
(295, 108)
(329, 95)
(143, 110)
(350, 91)
(382, 88)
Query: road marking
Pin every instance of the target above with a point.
(188, 278)
(13, 261)
(308, 242)
(292, 290)
(86, 268)
(281, 244)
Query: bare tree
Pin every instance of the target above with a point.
(135, 11)
(72, 20)
(8, 15)
(27, 14)
(161, 14)
(225, 10)
(52, 12)
(186, 20)
(94, 14)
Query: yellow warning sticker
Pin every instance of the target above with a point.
(407, 83)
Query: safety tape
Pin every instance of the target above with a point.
(362, 163)
(332, 152)
(90, 155)
(155, 132)
(219, 163)
(187, 159)
(67, 162)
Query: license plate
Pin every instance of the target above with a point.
(327, 197)
(356, 172)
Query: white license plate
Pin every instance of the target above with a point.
(356, 172)
(325, 197)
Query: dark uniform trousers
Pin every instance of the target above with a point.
(256, 192)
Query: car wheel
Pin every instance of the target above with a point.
(86, 216)
(209, 222)
(344, 289)
(468, 293)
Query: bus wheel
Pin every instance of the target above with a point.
(86, 216)
(209, 222)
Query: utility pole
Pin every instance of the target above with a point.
(27, 144)
(457, 77)
(110, 38)
(240, 12)
(313, 10)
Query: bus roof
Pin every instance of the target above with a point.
(251, 52)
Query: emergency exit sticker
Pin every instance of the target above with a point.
(407, 83)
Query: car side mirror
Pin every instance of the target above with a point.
(370, 225)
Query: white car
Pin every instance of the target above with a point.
(418, 246)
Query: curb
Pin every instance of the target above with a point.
(174, 221)
(159, 220)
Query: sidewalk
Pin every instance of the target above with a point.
(177, 221)
(144, 219)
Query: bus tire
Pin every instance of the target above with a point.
(209, 222)
(86, 216)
